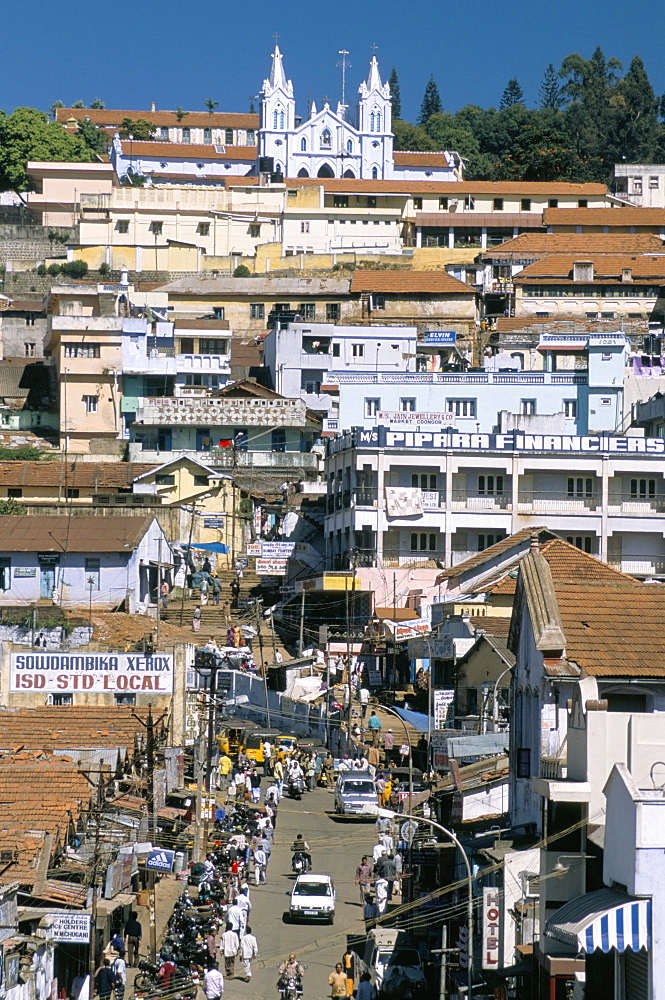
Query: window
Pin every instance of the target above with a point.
(357, 350)
(186, 135)
(164, 479)
(255, 230)
(497, 205)
(340, 201)
(251, 137)
(642, 489)
(570, 407)
(92, 571)
(307, 310)
(82, 350)
(349, 146)
(580, 487)
(30, 319)
(553, 203)
(62, 699)
(73, 493)
(443, 204)
(423, 481)
(207, 136)
(30, 350)
(156, 228)
(304, 227)
(164, 134)
(485, 541)
(372, 407)
(653, 182)
(461, 407)
(124, 699)
(5, 573)
(122, 225)
(335, 350)
(90, 403)
(371, 201)
(326, 138)
(256, 310)
(332, 312)
(527, 407)
(417, 203)
(469, 203)
(407, 404)
(213, 345)
(580, 542)
(525, 204)
(203, 229)
(422, 541)
(490, 485)
(218, 312)
(15, 492)
(228, 136)
(471, 701)
(378, 302)
(583, 203)
(375, 174)
(200, 480)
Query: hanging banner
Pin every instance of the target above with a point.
(93, 673)
(443, 699)
(491, 927)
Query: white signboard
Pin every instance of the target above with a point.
(71, 927)
(423, 649)
(414, 417)
(92, 673)
(271, 567)
(254, 549)
(277, 550)
(443, 699)
(491, 927)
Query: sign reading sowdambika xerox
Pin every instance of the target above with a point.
(383, 437)
(92, 673)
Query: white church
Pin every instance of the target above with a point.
(328, 145)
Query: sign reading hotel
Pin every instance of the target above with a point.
(92, 673)
(491, 927)
(383, 437)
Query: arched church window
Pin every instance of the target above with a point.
(371, 122)
(349, 146)
(281, 119)
(378, 121)
(326, 137)
(375, 174)
(303, 145)
(274, 120)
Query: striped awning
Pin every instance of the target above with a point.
(603, 919)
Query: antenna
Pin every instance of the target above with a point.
(344, 66)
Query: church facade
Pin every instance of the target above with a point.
(327, 144)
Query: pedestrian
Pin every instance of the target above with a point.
(387, 792)
(365, 989)
(374, 726)
(256, 785)
(119, 970)
(213, 982)
(196, 622)
(370, 912)
(310, 772)
(203, 590)
(105, 980)
(234, 916)
(349, 968)
(337, 982)
(77, 986)
(249, 950)
(380, 784)
(329, 769)
(381, 893)
(133, 934)
(216, 590)
(242, 900)
(278, 775)
(224, 768)
(389, 871)
(399, 867)
(164, 592)
(364, 702)
(260, 862)
(267, 754)
(363, 878)
(211, 944)
(226, 612)
(388, 744)
(230, 943)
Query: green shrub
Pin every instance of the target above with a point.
(75, 268)
(242, 271)
(41, 270)
(53, 270)
(104, 268)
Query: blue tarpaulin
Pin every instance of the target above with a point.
(416, 719)
(208, 546)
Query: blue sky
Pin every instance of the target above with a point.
(177, 53)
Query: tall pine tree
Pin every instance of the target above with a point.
(431, 103)
(393, 83)
(513, 94)
(635, 125)
(551, 98)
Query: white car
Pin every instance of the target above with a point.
(313, 898)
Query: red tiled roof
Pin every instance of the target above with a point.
(450, 188)
(83, 475)
(187, 151)
(606, 267)
(409, 283)
(407, 158)
(604, 217)
(537, 244)
(193, 119)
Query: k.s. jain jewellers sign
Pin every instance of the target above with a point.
(92, 673)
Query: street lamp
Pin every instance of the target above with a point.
(373, 810)
(207, 667)
(495, 699)
(91, 586)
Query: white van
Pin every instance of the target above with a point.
(353, 791)
(394, 964)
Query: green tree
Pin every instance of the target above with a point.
(138, 128)
(98, 105)
(543, 153)
(210, 104)
(411, 138)
(54, 107)
(78, 104)
(551, 97)
(252, 108)
(513, 94)
(431, 102)
(636, 132)
(27, 134)
(12, 506)
(395, 95)
(180, 114)
(589, 87)
(94, 137)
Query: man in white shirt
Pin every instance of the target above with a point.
(230, 943)
(260, 862)
(377, 851)
(213, 983)
(242, 901)
(234, 917)
(249, 949)
(381, 894)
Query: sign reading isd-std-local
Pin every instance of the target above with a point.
(93, 673)
(160, 860)
(383, 437)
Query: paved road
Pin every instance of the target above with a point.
(336, 850)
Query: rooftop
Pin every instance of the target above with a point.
(59, 533)
(606, 267)
(187, 151)
(409, 283)
(65, 727)
(535, 245)
(604, 217)
(261, 285)
(72, 475)
(191, 119)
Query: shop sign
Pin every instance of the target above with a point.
(73, 928)
(491, 927)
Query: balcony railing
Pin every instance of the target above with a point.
(268, 460)
(404, 556)
(553, 503)
(638, 565)
(553, 768)
(629, 504)
(461, 500)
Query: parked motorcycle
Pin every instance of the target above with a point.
(178, 979)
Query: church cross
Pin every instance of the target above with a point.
(374, 47)
(276, 37)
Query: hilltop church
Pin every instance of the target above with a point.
(327, 145)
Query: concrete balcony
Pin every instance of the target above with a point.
(547, 503)
(267, 462)
(218, 411)
(202, 363)
(401, 557)
(639, 565)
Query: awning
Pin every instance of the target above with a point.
(208, 546)
(603, 919)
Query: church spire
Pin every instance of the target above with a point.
(374, 77)
(277, 77)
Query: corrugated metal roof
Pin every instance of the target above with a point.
(59, 533)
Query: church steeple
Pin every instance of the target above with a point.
(277, 78)
(374, 77)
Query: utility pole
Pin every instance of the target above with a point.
(159, 586)
(301, 638)
(264, 668)
(187, 556)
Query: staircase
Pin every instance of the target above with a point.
(215, 622)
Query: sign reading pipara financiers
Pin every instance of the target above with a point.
(92, 673)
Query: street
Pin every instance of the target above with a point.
(336, 850)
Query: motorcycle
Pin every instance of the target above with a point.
(149, 982)
(290, 986)
(300, 863)
(295, 788)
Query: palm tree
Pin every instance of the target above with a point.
(211, 105)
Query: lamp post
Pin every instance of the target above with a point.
(205, 669)
(375, 810)
(495, 696)
(91, 587)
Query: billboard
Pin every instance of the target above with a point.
(91, 673)
(71, 927)
(271, 567)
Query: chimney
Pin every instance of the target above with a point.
(534, 544)
(153, 107)
(626, 274)
(583, 270)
